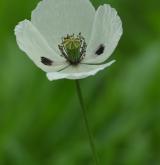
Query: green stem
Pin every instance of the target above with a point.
(79, 93)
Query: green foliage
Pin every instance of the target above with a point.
(41, 122)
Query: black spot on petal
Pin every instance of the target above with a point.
(46, 61)
(100, 49)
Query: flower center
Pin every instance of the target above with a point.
(73, 48)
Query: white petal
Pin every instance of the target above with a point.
(33, 44)
(78, 72)
(57, 18)
(107, 30)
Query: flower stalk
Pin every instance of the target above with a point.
(90, 136)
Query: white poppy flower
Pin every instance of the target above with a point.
(68, 38)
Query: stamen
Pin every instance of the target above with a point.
(73, 48)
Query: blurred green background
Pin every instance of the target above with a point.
(41, 122)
